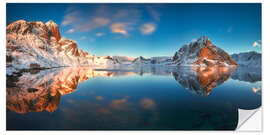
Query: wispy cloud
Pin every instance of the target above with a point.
(105, 16)
(83, 37)
(130, 14)
(257, 43)
(94, 23)
(147, 28)
(91, 39)
(70, 18)
(99, 34)
(70, 31)
(121, 28)
(82, 22)
(153, 12)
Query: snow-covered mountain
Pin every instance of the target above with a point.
(40, 45)
(124, 59)
(248, 59)
(141, 60)
(202, 52)
(35, 45)
(162, 60)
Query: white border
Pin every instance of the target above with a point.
(266, 66)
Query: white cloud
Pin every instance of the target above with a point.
(70, 31)
(256, 44)
(70, 18)
(99, 34)
(93, 23)
(147, 28)
(83, 37)
(80, 22)
(102, 16)
(121, 28)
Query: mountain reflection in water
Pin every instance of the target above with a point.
(42, 91)
(202, 80)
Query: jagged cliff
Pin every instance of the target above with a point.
(203, 53)
(38, 44)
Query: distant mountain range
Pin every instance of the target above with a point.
(249, 59)
(36, 45)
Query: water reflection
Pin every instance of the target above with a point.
(248, 74)
(143, 98)
(39, 91)
(42, 90)
(202, 80)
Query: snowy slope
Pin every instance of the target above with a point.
(35, 44)
(249, 59)
(124, 59)
(162, 60)
(40, 45)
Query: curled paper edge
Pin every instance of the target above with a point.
(246, 120)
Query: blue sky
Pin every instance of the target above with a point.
(148, 29)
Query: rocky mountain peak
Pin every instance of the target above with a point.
(53, 29)
(202, 52)
(20, 26)
(52, 23)
(201, 42)
(40, 44)
(204, 40)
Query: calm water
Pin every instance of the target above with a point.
(152, 98)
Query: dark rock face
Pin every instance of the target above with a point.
(34, 66)
(141, 60)
(53, 30)
(70, 46)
